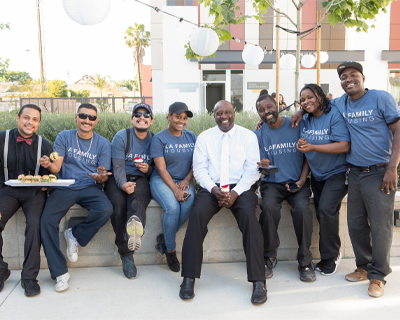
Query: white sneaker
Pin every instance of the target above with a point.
(62, 282)
(72, 246)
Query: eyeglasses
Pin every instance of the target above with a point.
(139, 114)
(83, 116)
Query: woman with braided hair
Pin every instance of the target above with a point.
(325, 141)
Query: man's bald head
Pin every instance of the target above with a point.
(224, 115)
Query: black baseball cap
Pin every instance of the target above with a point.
(178, 108)
(142, 105)
(349, 64)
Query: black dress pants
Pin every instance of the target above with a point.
(204, 208)
(272, 196)
(370, 221)
(328, 196)
(32, 201)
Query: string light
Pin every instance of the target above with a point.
(181, 19)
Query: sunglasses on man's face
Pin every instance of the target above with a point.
(139, 114)
(83, 116)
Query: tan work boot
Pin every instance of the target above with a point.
(358, 275)
(376, 288)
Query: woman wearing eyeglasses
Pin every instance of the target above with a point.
(327, 142)
(172, 152)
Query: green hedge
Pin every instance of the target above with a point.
(110, 123)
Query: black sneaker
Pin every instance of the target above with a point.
(320, 265)
(160, 246)
(172, 261)
(270, 263)
(31, 287)
(4, 278)
(307, 273)
(128, 267)
(331, 266)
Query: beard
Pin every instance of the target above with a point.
(141, 129)
(271, 120)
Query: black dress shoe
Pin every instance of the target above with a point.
(3, 279)
(307, 273)
(259, 295)
(187, 289)
(31, 287)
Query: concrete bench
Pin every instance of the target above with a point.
(222, 244)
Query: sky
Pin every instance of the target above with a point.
(71, 50)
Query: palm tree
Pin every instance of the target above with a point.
(100, 83)
(137, 39)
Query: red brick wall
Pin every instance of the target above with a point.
(147, 85)
(394, 38)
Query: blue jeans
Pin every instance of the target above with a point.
(175, 213)
(57, 206)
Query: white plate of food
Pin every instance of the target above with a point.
(39, 181)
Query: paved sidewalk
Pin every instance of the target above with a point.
(221, 293)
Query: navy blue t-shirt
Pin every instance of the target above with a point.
(279, 146)
(137, 148)
(327, 128)
(177, 152)
(368, 120)
(80, 160)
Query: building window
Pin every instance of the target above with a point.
(237, 90)
(214, 75)
(394, 81)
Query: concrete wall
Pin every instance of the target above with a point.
(223, 242)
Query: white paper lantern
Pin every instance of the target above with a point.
(87, 12)
(288, 62)
(204, 41)
(308, 61)
(252, 55)
(323, 56)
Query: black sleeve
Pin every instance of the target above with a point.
(46, 150)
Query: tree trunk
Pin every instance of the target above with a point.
(297, 73)
(139, 78)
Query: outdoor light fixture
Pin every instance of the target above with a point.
(252, 55)
(323, 57)
(288, 62)
(87, 12)
(204, 41)
(308, 61)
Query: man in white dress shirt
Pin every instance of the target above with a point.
(214, 168)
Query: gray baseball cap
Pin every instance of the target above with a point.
(142, 105)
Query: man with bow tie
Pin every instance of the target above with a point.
(22, 156)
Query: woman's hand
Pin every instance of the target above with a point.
(184, 185)
(305, 147)
(178, 193)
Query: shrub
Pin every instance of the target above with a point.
(110, 123)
